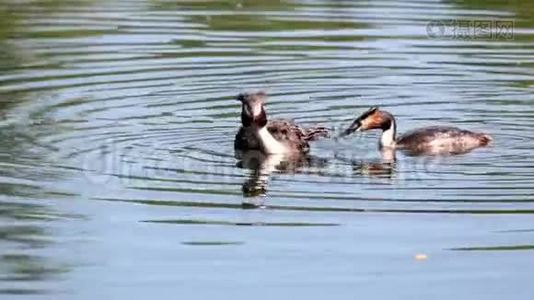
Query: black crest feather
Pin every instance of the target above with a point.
(246, 96)
(369, 112)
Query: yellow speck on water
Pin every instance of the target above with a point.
(421, 256)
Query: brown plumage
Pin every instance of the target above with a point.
(441, 139)
(282, 130)
(428, 140)
(253, 117)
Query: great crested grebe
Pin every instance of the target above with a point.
(428, 140)
(270, 137)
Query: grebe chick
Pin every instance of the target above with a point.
(271, 137)
(428, 140)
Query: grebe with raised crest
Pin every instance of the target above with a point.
(432, 140)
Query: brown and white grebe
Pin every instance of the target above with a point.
(432, 140)
(274, 136)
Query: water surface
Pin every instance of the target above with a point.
(118, 176)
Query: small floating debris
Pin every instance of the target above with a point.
(420, 256)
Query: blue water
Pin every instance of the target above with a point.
(118, 177)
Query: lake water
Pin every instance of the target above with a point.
(117, 171)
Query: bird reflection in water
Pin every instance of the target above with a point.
(262, 166)
(383, 167)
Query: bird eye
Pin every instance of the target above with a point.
(247, 109)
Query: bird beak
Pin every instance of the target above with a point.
(355, 126)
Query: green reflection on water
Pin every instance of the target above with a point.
(24, 228)
(523, 10)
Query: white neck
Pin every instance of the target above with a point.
(259, 177)
(387, 140)
(268, 143)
